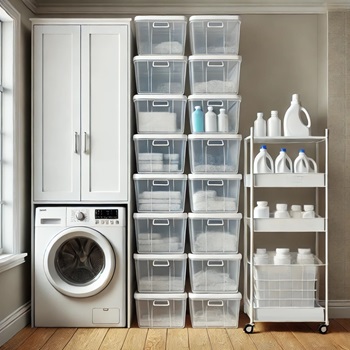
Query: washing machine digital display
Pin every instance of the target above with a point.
(106, 214)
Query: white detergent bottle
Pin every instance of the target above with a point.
(283, 164)
(260, 125)
(211, 123)
(292, 123)
(274, 125)
(304, 164)
(222, 121)
(263, 162)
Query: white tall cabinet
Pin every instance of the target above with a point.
(80, 110)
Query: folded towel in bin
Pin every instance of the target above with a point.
(161, 194)
(157, 121)
(160, 207)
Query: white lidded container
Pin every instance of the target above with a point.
(214, 153)
(231, 104)
(214, 273)
(159, 273)
(214, 193)
(163, 114)
(161, 310)
(160, 192)
(160, 35)
(160, 232)
(157, 153)
(213, 35)
(214, 310)
(210, 74)
(160, 74)
(216, 233)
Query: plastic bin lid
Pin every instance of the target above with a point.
(153, 296)
(160, 256)
(143, 97)
(163, 58)
(159, 18)
(209, 18)
(214, 58)
(215, 177)
(214, 256)
(216, 136)
(160, 215)
(214, 216)
(214, 97)
(160, 137)
(160, 177)
(200, 296)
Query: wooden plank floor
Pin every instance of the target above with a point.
(266, 336)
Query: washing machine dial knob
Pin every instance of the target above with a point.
(80, 215)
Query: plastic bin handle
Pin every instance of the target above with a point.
(161, 222)
(160, 104)
(161, 303)
(215, 24)
(215, 183)
(215, 263)
(159, 143)
(161, 64)
(215, 143)
(215, 103)
(160, 25)
(161, 263)
(215, 222)
(215, 303)
(216, 64)
(160, 182)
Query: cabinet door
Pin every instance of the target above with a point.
(56, 112)
(105, 106)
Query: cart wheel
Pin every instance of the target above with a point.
(249, 328)
(323, 328)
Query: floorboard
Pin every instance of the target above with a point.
(114, 339)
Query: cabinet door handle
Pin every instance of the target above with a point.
(85, 142)
(76, 136)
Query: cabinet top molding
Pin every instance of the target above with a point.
(104, 21)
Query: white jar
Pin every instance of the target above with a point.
(295, 211)
(308, 211)
(262, 210)
(222, 121)
(305, 256)
(281, 211)
(282, 256)
(261, 257)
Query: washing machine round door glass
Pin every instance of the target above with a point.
(79, 262)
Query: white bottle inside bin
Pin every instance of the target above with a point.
(211, 123)
(263, 162)
(274, 125)
(282, 256)
(308, 212)
(281, 211)
(261, 210)
(283, 164)
(222, 121)
(295, 211)
(304, 164)
(260, 125)
(305, 256)
(261, 257)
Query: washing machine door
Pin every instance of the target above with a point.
(79, 262)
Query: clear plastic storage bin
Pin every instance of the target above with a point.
(210, 35)
(214, 310)
(231, 104)
(160, 193)
(160, 74)
(161, 273)
(214, 233)
(214, 74)
(161, 310)
(160, 233)
(214, 273)
(160, 35)
(164, 114)
(214, 153)
(214, 193)
(159, 154)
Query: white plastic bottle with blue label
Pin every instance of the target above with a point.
(197, 120)
(292, 122)
(263, 162)
(283, 164)
(304, 164)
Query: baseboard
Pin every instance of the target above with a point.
(14, 323)
(339, 308)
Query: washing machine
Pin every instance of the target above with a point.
(79, 267)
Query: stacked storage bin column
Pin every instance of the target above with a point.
(160, 185)
(214, 184)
